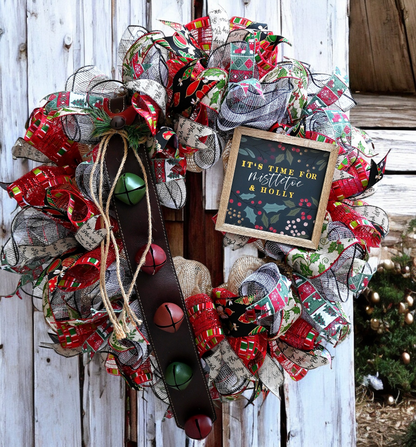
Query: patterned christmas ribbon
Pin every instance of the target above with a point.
(328, 318)
(251, 350)
(190, 135)
(30, 189)
(169, 169)
(298, 75)
(205, 322)
(268, 290)
(46, 133)
(301, 335)
(362, 228)
(295, 371)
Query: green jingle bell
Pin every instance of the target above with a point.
(178, 375)
(130, 188)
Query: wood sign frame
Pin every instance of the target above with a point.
(276, 187)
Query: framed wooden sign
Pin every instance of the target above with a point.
(276, 187)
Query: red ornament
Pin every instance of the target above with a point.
(155, 259)
(168, 317)
(198, 426)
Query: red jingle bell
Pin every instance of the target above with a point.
(168, 317)
(155, 259)
(198, 426)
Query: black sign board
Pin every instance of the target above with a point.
(276, 187)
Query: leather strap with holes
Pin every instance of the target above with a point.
(154, 290)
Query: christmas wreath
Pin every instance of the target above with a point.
(89, 235)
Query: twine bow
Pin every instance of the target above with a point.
(120, 328)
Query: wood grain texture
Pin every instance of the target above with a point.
(386, 49)
(402, 144)
(50, 62)
(179, 11)
(252, 425)
(103, 405)
(318, 33)
(378, 110)
(16, 325)
(362, 71)
(57, 416)
(396, 194)
(16, 373)
(409, 19)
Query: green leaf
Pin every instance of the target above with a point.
(289, 157)
(250, 214)
(314, 257)
(243, 139)
(322, 167)
(332, 247)
(279, 158)
(247, 196)
(319, 162)
(321, 268)
(265, 220)
(215, 97)
(289, 203)
(296, 310)
(242, 151)
(340, 248)
(251, 153)
(275, 218)
(273, 208)
(306, 271)
(293, 212)
(315, 202)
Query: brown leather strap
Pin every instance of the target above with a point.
(158, 289)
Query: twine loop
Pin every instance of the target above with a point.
(119, 324)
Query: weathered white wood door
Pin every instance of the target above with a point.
(48, 400)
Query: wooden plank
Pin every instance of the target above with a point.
(180, 11)
(321, 407)
(16, 372)
(103, 406)
(402, 144)
(202, 242)
(174, 231)
(396, 194)
(96, 40)
(56, 393)
(387, 48)
(50, 25)
(378, 110)
(155, 430)
(318, 33)
(362, 71)
(16, 325)
(409, 17)
(253, 425)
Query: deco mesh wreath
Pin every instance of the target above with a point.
(175, 109)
